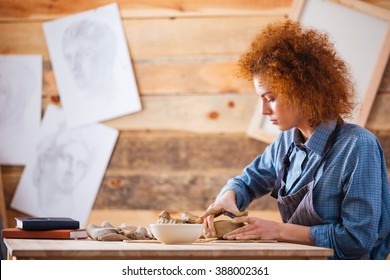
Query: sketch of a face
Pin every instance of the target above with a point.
(16, 83)
(62, 163)
(70, 165)
(89, 48)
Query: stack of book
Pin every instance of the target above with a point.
(45, 228)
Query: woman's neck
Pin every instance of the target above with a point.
(306, 129)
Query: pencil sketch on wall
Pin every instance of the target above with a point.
(63, 159)
(20, 105)
(89, 49)
(64, 174)
(92, 66)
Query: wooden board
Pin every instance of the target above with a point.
(245, 241)
(380, 113)
(180, 151)
(228, 113)
(166, 37)
(211, 240)
(192, 76)
(45, 9)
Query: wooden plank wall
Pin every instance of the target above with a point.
(190, 136)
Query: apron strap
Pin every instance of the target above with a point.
(282, 172)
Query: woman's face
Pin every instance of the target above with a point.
(283, 116)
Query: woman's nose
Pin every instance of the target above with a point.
(265, 109)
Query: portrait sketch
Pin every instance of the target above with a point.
(20, 106)
(89, 50)
(92, 66)
(64, 174)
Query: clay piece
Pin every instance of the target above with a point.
(222, 227)
(108, 232)
(186, 218)
(220, 211)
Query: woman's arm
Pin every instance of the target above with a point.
(257, 228)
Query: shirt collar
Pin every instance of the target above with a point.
(318, 139)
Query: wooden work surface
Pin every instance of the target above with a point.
(90, 249)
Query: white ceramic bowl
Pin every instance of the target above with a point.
(176, 233)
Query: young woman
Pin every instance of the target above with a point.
(329, 177)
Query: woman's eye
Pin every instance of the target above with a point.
(270, 100)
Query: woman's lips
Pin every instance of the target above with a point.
(273, 121)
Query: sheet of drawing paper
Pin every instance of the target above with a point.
(92, 66)
(64, 173)
(20, 106)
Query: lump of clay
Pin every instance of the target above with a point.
(221, 211)
(186, 218)
(222, 227)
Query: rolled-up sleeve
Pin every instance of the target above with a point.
(256, 180)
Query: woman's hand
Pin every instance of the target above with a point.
(255, 229)
(226, 204)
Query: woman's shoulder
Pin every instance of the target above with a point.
(357, 134)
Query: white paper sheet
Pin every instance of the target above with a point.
(92, 66)
(65, 170)
(20, 106)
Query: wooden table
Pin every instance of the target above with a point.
(91, 250)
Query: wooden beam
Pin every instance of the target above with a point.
(49, 9)
(180, 151)
(228, 113)
(167, 38)
(155, 78)
(378, 118)
(368, 8)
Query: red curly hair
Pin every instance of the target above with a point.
(302, 67)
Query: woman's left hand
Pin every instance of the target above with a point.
(254, 229)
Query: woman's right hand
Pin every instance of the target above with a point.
(226, 204)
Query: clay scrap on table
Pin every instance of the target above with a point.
(108, 232)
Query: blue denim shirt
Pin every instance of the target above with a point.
(352, 192)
